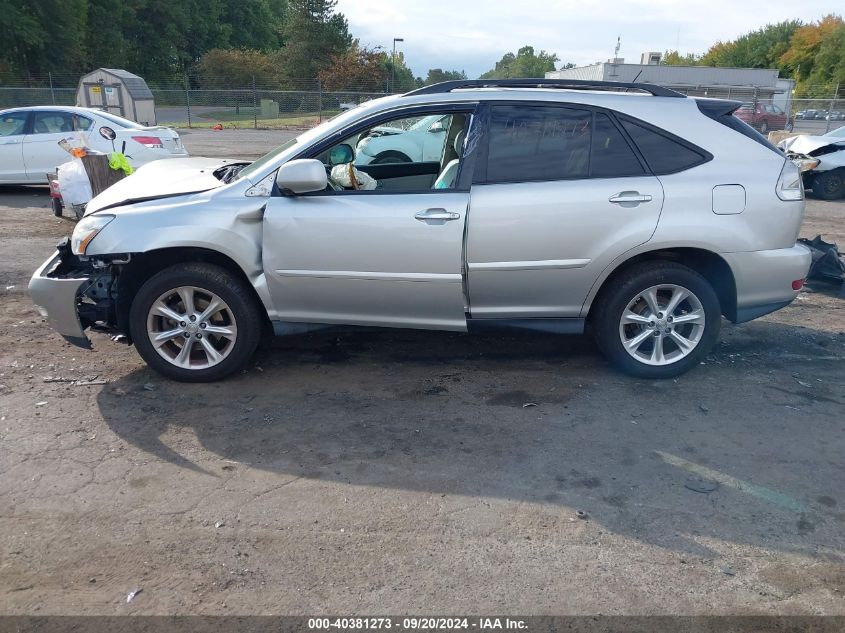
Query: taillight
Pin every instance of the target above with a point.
(153, 142)
(789, 185)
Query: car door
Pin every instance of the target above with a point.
(560, 194)
(13, 127)
(41, 151)
(386, 257)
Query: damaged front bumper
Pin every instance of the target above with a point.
(72, 295)
(55, 296)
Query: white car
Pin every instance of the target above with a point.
(29, 140)
(822, 161)
(420, 143)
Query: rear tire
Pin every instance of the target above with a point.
(656, 319)
(829, 185)
(57, 207)
(764, 127)
(206, 323)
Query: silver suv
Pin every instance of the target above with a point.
(554, 204)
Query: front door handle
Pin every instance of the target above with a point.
(436, 215)
(629, 198)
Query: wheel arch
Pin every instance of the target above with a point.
(144, 265)
(708, 264)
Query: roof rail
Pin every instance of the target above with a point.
(570, 84)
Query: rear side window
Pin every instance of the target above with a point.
(663, 154)
(529, 143)
(538, 143)
(612, 157)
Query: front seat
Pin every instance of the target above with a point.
(446, 179)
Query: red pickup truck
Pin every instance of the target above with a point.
(764, 117)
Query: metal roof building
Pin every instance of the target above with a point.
(119, 92)
(743, 84)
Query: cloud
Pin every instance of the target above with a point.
(472, 35)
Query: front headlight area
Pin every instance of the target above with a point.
(86, 230)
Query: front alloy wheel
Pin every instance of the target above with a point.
(192, 328)
(196, 322)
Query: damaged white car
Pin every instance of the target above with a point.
(821, 160)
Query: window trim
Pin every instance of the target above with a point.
(467, 166)
(486, 112)
(706, 156)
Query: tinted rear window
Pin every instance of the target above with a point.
(612, 156)
(663, 154)
(538, 143)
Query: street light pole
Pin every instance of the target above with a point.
(393, 64)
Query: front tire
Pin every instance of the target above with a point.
(391, 157)
(829, 185)
(657, 319)
(195, 322)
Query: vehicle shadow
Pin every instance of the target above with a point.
(537, 419)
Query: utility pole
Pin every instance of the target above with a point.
(830, 108)
(393, 64)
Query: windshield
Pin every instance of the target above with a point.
(837, 133)
(338, 122)
(119, 121)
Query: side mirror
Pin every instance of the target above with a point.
(302, 176)
(107, 133)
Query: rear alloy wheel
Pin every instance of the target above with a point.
(657, 321)
(195, 323)
(829, 185)
(764, 127)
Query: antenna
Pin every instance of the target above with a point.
(618, 46)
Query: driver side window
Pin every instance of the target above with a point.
(405, 154)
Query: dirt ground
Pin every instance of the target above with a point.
(390, 472)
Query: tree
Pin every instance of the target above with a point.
(313, 33)
(801, 58)
(359, 68)
(674, 58)
(762, 48)
(41, 37)
(437, 75)
(236, 68)
(524, 64)
(256, 24)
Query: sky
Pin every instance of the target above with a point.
(472, 35)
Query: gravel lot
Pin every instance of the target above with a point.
(363, 471)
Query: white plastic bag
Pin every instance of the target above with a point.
(73, 183)
(344, 174)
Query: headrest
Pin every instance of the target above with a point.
(458, 145)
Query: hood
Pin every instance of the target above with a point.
(161, 179)
(806, 144)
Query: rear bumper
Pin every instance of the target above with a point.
(56, 298)
(764, 279)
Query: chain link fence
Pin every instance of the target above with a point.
(196, 102)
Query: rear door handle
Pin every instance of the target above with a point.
(629, 198)
(436, 215)
(10, 142)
